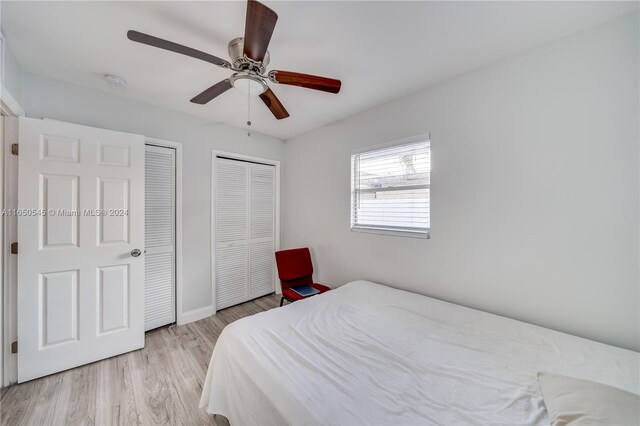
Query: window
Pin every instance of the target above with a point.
(390, 189)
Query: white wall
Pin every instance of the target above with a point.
(44, 97)
(535, 189)
(12, 75)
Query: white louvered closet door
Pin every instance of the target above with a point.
(244, 231)
(261, 229)
(160, 187)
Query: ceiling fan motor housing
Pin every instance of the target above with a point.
(241, 62)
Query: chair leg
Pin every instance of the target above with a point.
(281, 301)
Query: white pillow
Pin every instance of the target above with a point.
(572, 401)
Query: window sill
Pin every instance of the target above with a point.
(394, 233)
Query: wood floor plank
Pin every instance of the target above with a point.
(157, 385)
(58, 408)
(151, 391)
(115, 403)
(19, 402)
(82, 403)
(198, 360)
(266, 303)
(47, 399)
(186, 390)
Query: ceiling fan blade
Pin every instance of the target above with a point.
(212, 92)
(175, 47)
(258, 29)
(271, 100)
(305, 80)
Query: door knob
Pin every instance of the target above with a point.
(136, 252)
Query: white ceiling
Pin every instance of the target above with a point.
(380, 50)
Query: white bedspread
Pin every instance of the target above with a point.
(369, 354)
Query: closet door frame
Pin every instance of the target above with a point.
(241, 157)
(180, 320)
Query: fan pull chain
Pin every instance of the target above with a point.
(249, 111)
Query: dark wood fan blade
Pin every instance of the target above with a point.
(212, 92)
(258, 29)
(175, 47)
(271, 100)
(305, 80)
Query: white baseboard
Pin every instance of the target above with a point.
(195, 315)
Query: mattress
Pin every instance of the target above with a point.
(366, 353)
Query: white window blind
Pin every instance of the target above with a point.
(390, 189)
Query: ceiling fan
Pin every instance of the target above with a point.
(249, 60)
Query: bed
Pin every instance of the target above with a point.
(366, 353)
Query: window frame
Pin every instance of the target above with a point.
(424, 137)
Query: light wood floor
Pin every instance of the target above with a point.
(159, 384)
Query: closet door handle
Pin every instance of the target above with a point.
(136, 252)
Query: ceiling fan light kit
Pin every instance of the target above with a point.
(248, 84)
(249, 59)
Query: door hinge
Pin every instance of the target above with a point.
(14, 148)
(14, 248)
(14, 347)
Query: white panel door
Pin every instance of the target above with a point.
(244, 231)
(160, 219)
(81, 215)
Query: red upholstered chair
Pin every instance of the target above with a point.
(295, 268)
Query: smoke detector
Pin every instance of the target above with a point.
(115, 80)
